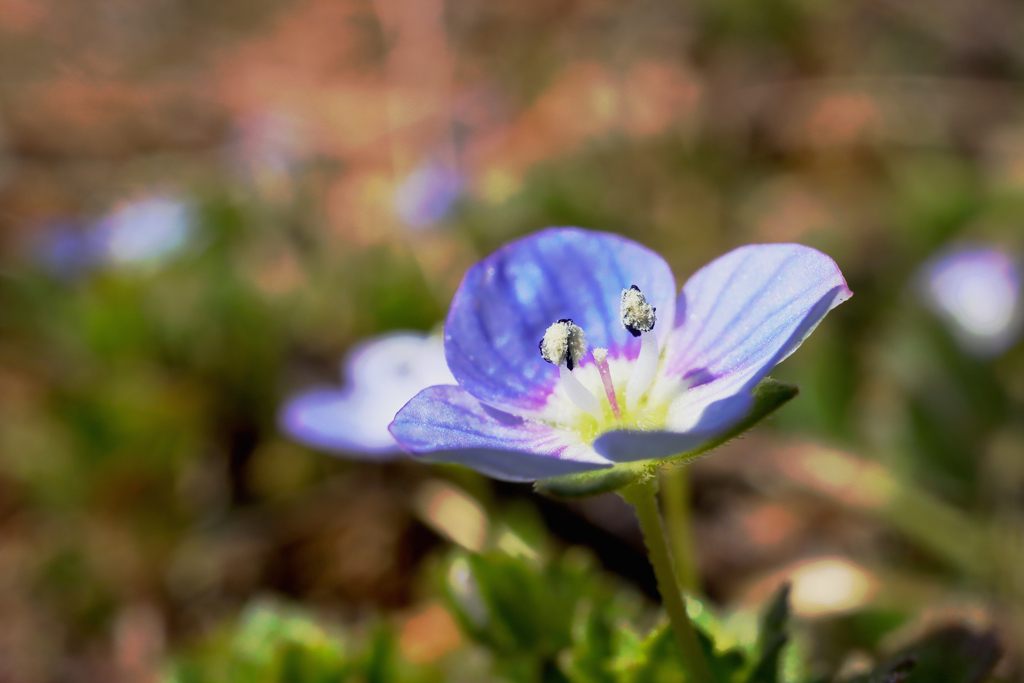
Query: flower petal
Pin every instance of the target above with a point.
(447, 424)
(383, 374)
(737, 318)
(507, 301)
(745, 312)
(977, 291)
(401, 364)
(721, 421)
(339, 421)
(624, 445)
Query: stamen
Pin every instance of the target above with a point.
(579, 394)
(644, 370)
(564, 343)
(601, 360)
(639, 317)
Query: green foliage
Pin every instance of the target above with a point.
(532, 615)
(595, 640)
(273, 643)
(546, 621)
(771, 638)
(516, 607)
(519, 607)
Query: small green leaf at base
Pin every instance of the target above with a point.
(769, 395)
(772, 637)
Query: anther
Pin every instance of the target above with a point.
(564, 344)
(638, 317)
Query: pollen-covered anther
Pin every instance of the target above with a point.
(638, 316)
(564, 343)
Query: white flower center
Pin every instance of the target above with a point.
(564, 345)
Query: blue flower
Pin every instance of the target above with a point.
(145, 230)
(625, 370)
(428, 193)
(977, 291)
(67, 249)
(383, 374)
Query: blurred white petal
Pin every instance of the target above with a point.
(977, 290)
(383, 375)
(144, 230)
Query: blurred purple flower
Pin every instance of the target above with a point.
(383, 374)
(66, 249)
(144, 230)
(427, 194)
(681, 376)
(977, 291)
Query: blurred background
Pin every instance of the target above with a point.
(207, 207)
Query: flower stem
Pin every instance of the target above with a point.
(675, 501)
(642, 496)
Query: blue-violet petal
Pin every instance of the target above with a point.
(507, 301)
(447, 424)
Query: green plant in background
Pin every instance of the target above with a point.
(603, 642)
(275, 643)
(543, 617)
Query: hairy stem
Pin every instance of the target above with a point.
(675, 501)
(643, 497)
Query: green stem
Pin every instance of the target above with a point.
(642, 496)
(675, 501)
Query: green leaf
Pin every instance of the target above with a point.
(516, 605)
(380, 657)
(589, 660)
(771, 638)
(658, 659)
(769, 395)
(514, 596)
(724, 664)
(270, 642)
(954, 654)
